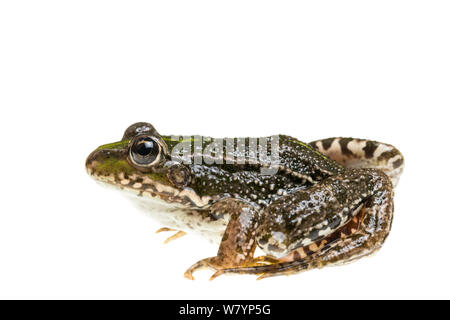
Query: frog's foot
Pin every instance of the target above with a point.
(265, 271)
(177, 235)
(220, 266)
(208, 263)
(263, 261)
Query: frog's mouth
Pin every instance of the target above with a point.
(110, 167)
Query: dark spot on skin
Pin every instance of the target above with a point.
(370, 148)
(313, 235)
(344, 146)
(148, 187)
(397, 163)
(263, 241)
(225, 237)
(335, 222)
(217, 216)
(387, 155)
(186, 199)
(273, 248)
(327, 143)
(314, 144)
(333, 237)
(307, 250)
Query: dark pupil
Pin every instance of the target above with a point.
(144, 148)
(145, 151)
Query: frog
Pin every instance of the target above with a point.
(307, 206)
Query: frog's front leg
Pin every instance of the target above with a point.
(238, 242)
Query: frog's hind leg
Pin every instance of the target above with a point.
(361, 236)
(300, 259)
(361, 153)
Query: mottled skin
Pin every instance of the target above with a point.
(329, 202)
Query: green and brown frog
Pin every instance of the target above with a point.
(305, 205)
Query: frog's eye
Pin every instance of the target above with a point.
(145, 151)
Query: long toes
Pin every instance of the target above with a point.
(177, 235)
(267, 275)
(264, 275)
(202, 264)
(216, 274)
(188, 275)
(220, 268)
(165, 230)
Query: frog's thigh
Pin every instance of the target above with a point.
(362, 153)
(238, 242)
(375, 224)
(303, 217)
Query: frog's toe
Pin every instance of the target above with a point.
(208, 263)
(165, 230)
(266, 275)
(177, 235)
(216, 274)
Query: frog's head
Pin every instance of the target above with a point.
(141, 162)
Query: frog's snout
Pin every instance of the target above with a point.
(92, 161)
(103, 160)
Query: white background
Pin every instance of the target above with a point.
(75, 74)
